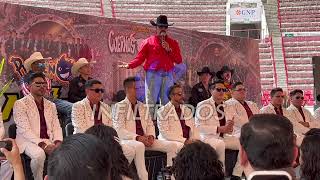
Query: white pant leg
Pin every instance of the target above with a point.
(128, 152)
(139, 159)
(219, 146)
(38, 157)
(179, 145)
(165, 146)
(6, 170)
(233, 143)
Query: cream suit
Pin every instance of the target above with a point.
(83, 118)
(27, 118)
(207, 121)
(124, 123)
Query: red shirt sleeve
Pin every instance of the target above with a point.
(141, 56)
(176, 54)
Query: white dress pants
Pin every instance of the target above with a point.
(38, 157)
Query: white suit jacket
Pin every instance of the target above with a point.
(207, 120)
(317, 114)
(123, 119)
(27, 118)
(269, 109)
(82, 116)
(241, 116)
(296, 117)
(169, 123)
(2, 130)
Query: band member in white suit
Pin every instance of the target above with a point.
(317, 111)
(38, 128)
(243, 109)
(215, 120)
(91, 111)
(133, 122)
(301, 118)
(275, 106)
(176, 123)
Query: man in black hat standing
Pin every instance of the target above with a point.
(159, 53)
(226, 74)
(200, 91)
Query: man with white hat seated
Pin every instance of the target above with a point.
(81, 72)
(37, 63)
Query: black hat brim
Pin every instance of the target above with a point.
(160, 25)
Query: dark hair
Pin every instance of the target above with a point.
(234, 86)
(91, 82)
(81, 157)
(313, 131)
(275, 90)
(120, 164)
(197, 161)
(310, 166)
(296, 91)
(35, 75)
(129, 81)
(172, 88)
(213, 85)
(268, 141)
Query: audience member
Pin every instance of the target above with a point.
(268, 143)
(120, 165)
(197, 161)
(310, 156)
(13, 157)
(6, 170)
(80, 157)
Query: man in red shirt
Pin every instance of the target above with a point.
(159, 53)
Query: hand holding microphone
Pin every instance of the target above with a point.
(164, 43)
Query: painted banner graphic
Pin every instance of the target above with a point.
(65, 37)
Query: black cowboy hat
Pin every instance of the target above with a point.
(224, 69)
(206, 69)
(162, 21)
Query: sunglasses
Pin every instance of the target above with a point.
(221, 89)
(98, 90)
(40, 84)
(241, 89)
(300, 97)
(179, 94)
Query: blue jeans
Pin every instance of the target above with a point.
(157, 84)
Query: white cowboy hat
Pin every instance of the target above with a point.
(36, 56)
(77, 65)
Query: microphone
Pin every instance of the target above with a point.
(162, 37)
